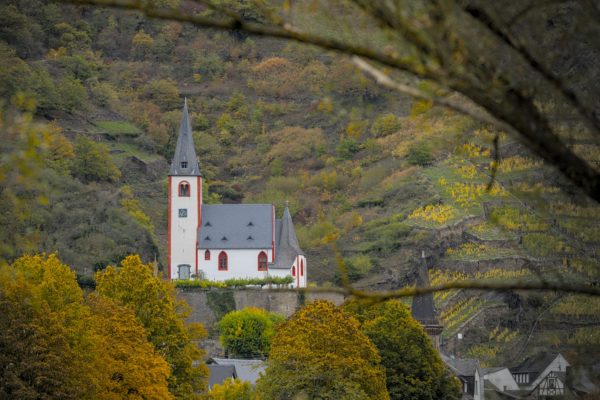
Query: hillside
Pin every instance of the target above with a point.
(378, 174)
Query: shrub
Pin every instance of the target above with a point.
(385, 125)
(419, 154)
(93, 161)
(348, 148)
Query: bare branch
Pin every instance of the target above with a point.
(540, 286)
(588, 115)
(382, 79)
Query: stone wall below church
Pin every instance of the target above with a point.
(209, 305)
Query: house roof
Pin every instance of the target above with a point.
(462, 366)
(534, 365)
(491, 370)
(246, 370)
(423, 309)
(236, 226)
(287, 246)
(219, 373)
(184, 150)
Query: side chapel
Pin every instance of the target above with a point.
(224, 241)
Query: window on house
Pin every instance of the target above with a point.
(184, 164)
(184, 189)
(262, 261)
(207, 255)
(551, 383)
(294, 271)
(223, 261)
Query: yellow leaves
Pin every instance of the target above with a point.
(468, 195)
(473, 151)
(438, 214)
(467, 171)
(315, 350)
(517, 163)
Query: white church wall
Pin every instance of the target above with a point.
(241, 263)
(183, 228)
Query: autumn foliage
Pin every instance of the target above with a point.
(321, 352)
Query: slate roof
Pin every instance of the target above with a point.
(461, 366)
(491, 370)
(534, 365)
(246, 370)
(236, 226)
(423, 309)
(219, 373)
(184, 150)
(287, 246)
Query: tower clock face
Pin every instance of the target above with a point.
(182, 212)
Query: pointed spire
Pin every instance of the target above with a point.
(288, 246)
(423, 309)
(288, 237)
(185, 162)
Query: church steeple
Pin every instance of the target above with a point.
(423, 307)
(185, 162)
(289, 248)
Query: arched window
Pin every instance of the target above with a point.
(262, 261)
(223, 261)
(294, 270)
(207, 255)
(301, 267)
(184, 189)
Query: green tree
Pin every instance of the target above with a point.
(163, 316)
(248, 333)
(93, 161)
(321, 353)
(419, 154)
(414, 370)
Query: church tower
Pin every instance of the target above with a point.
(185, 204)
(423, 308)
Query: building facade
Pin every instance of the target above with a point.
(224, 241)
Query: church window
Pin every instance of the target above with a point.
(184, 164)
(183, 213)
(184, 189)
(294, 271)
(223, 261)
(301, 267)
(262, 261)
(207, 255)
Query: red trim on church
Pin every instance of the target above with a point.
(169, 232)
(262, 261)
(199, 200)
(273, 234)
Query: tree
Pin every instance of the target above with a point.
(135, 367)
(58, 345)
(231, 390)
(321, 353)
(248, 333)
(93, 161)
(153, 302)
(454, 48)
(414, 370)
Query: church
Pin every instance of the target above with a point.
(224, 241)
